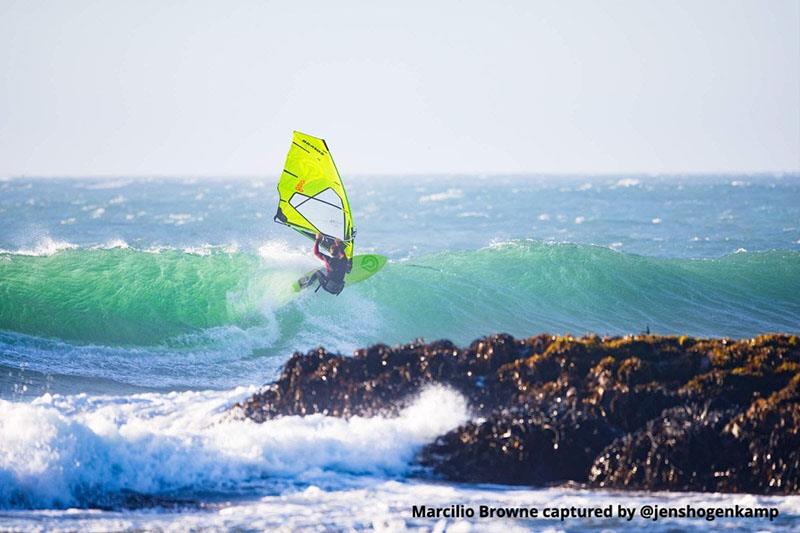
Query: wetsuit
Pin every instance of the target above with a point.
(331, 278)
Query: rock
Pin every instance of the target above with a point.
(520, 446)
(679, 450)
(635, 412)
(768, 435)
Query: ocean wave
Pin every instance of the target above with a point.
(627, 182)
(66, 451)
(125, 296)
(384, 505)
(44, 247)
(449, 194)
(117, 295)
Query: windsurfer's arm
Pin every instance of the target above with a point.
(317, 253)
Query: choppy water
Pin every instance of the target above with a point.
(132, 312)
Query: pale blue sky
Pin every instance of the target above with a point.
(215, 88)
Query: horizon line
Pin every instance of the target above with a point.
(382, 175)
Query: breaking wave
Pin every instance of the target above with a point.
(126, 297)
(84, 451)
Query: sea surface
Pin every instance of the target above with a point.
(134, 311)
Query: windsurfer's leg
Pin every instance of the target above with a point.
(309, 280)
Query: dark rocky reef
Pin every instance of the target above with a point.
(636, 412)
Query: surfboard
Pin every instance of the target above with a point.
(364, 266)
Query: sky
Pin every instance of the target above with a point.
(158, 87)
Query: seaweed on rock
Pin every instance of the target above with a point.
(636, 412)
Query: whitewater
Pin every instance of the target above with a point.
(135, 312)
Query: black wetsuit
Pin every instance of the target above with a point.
(331, 277)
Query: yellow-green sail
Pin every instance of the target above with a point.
(312, 197)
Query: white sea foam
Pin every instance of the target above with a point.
(385, 505)
(328, 325)
(179, 219)
(274, 251)
(46, 246)
(279, 252)
(627, 182)
(113, 184)
(472, 214)
(59, 448)
(111, 245)
(208, 249)
(449, 194)
(503, 243)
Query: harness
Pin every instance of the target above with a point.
(330, 286)
(339, 267)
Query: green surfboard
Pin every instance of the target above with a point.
(364, 266)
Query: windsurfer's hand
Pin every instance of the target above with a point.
(319, 237)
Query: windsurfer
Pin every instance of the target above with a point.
(331, 277)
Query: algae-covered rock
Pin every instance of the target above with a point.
(636, 412)
(768, 432)
(681, 449)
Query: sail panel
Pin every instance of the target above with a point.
(312, 197)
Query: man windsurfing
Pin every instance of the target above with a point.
(313, 202)
(331, 277)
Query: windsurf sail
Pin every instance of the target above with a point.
(312, 197)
